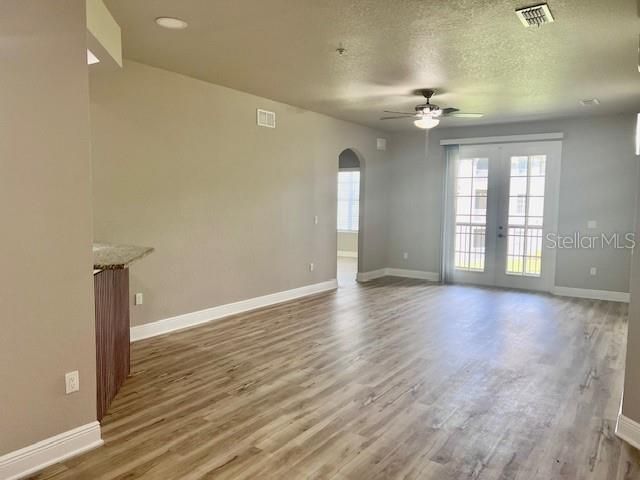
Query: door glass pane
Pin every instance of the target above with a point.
(480, 167)
(471, 213)
(534, 252)
(518, 187)
(526, 212)
(465, 168)
(517, 206)
(463, 186)
(515, 250)
(536, 186)
(480, 187)
(519, 166)
(538, 164)
(536, 207)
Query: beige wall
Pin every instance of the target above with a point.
(180, 165)
(598, 182)
(414, 204)
(46, 289)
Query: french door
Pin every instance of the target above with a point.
(501, 205)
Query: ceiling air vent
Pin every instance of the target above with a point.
(590, 102)
(266, 119)
(535, 16)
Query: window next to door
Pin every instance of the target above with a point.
(348, 200)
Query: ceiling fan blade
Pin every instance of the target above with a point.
(449, 111)
(396, 118)
(466, 115)
(413, 114)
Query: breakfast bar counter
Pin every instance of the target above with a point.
(111, 290)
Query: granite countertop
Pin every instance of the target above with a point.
(109, 256)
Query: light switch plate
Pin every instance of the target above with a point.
(592, 224)
(139, 299)
(593, 271)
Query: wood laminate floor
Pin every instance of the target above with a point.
(393, 379)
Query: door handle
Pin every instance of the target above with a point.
(500, 235)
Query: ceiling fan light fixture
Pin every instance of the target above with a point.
(427, 115)
(426, 122)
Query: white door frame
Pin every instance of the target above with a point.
(551, 204)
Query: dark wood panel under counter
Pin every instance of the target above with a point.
(112, 334)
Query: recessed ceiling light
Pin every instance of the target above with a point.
(589, 102)
(91, 58)
(172, 23)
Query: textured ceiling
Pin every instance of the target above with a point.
(475, 52)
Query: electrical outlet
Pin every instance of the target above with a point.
(72, 382)
(139, 299)
(311, 267)
(405, 255)
(592, 224)
(593, 271)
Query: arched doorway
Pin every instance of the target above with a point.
(349, 214)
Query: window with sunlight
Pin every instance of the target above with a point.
(526, 215)
(472, 183)
(348, 200)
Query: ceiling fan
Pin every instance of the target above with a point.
(427, 115)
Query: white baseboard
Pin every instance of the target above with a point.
(628, 430)
(347, 253)
(192, 319)
(372, 275)
(435, 277)
(58, 448)
(398, 272)
(592, 294)
(419, 274)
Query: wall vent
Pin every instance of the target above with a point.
(266, 118)
(535, 15)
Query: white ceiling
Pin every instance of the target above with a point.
(476, 52)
